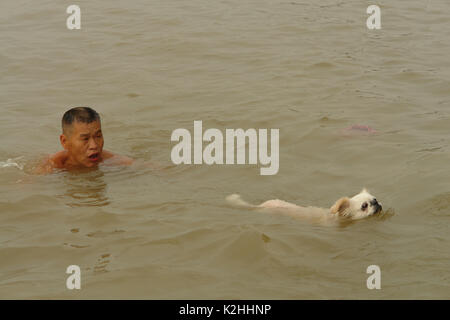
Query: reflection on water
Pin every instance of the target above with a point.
(85, 188)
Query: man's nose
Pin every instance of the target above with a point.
(92, 144)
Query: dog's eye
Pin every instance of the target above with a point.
(364, 206)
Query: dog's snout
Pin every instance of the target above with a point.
(376, 204)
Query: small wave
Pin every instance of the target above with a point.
(11, 163)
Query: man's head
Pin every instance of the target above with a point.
(82, 137)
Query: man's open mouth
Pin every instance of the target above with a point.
(94, 156)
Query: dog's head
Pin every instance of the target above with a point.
(360, 206)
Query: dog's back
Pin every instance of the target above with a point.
(312, 214)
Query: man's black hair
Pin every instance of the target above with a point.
(78, 114)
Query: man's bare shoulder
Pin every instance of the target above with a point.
(50, 162)
(116, 159)
(112, 159)
(58, 159)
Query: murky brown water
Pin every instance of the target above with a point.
(150, 67)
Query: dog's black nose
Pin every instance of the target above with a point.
(377, 205)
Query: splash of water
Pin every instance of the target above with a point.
(11, 163)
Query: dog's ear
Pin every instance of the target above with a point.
(340, 205)
(365, 190)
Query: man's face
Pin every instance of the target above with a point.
(84, 144)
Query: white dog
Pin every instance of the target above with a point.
(360, 206)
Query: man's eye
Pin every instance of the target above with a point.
(364, 206)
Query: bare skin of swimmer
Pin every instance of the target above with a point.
(83, 148)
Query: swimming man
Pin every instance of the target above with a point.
(82, 140)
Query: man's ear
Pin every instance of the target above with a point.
(63, 139)
(340, 205)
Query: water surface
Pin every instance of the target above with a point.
(148, 67)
